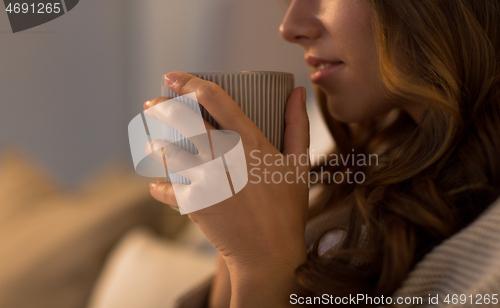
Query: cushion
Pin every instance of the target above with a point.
(22, 183)
(54, 242)
(148, 272)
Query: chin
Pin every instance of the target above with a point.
(344, 112)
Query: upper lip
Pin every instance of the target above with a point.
(315, 61)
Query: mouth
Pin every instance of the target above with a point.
(323, 68)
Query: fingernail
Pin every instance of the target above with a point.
(304, 96)
(152, 186)
(171, 78)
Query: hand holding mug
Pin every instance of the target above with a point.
(260, 230)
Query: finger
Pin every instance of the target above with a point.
(297, 124)
(171, 156)
(154, 101)
(163, 192)
(215, 100)
(158, 100)
(181, 117)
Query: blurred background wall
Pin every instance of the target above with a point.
(68, 88)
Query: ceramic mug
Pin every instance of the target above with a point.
(262, 96)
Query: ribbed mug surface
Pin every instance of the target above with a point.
(261, 95)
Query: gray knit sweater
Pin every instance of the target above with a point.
(467, 265)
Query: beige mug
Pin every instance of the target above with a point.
(261, 95)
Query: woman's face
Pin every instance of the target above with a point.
(339, 43)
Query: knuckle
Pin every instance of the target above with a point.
(170, 153)
(180, 84)
(209, 90)
(175, 109)
(149, 148)
(169, 190)
(165, 191)
(183, 81)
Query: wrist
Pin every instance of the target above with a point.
(267, 283)
(270, 259)
(261, 288)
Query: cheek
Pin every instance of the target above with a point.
(362, 94)
(358, 94)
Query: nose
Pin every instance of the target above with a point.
(300, 24)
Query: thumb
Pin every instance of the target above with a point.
(297, 123)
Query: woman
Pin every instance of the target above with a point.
(416, 82)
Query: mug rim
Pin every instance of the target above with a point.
(238, 72)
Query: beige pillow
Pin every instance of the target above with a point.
(148, 272)
(22, 184)
(54, 243)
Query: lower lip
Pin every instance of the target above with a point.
(321, 74)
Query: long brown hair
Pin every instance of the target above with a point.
(434, 177)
